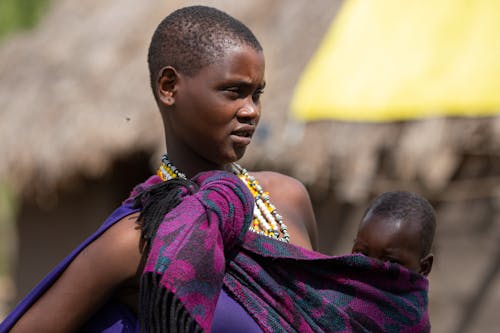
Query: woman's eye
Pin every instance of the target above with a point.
(233, 92)
(256, 95)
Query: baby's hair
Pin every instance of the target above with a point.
(406, 206)
(193, 37)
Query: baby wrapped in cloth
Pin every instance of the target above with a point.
(196, 235)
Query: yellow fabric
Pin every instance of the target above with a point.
(384, 60)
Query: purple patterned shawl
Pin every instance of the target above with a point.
(202, 244)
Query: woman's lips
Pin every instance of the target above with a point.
(243, 136)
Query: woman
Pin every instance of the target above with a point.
(217, 247)
(207, 75)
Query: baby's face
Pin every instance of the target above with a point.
(388, 240)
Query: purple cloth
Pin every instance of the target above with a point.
(122, 315)
(184, 271)
(230, 316)
(203, 243)
(283, 287)
(114, 317)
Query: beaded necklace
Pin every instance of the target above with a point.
(266, 220)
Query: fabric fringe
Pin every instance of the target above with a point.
(159, 310)
(162, 310)
(156, 202)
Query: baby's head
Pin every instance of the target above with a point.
(398, 227)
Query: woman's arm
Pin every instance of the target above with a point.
(88, 282)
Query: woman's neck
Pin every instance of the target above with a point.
(192, 165)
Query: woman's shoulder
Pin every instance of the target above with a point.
(116, 253)
(292, 200)
(271, 177)
(279, 184)
(123, 240)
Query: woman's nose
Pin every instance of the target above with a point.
(249, 113)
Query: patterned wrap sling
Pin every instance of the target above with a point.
(202, 245)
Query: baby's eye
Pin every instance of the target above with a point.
(359, 251)
(393, 260)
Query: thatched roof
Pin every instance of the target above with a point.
(74, 92)
(74, 97)
(427, 156)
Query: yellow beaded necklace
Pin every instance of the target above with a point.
(266, 220)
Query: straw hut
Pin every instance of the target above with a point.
(79, 128)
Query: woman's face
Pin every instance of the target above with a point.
(215, 112)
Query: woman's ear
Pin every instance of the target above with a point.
(426, 264)
(166, 85)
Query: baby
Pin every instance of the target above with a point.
(398, 227)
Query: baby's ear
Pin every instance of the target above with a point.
(426, 264)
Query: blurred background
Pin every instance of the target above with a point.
(362, 97)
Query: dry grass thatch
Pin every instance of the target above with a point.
(72, 102)
(428, 156)
(74, 93)
(74, 96)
